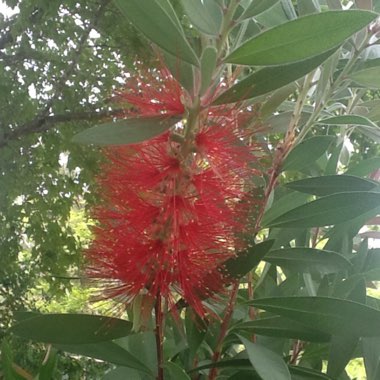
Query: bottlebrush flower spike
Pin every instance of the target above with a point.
(171, 210)
(152, 93)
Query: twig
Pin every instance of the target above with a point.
(159, 331)
(43, 124)
(224, 329)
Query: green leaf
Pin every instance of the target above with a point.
(270, 78)
(208, 63)
(126, 131)
(205, 15)
(275, 99)
(124, 373)
(181, 70)
(332, 209)
(308, 151)
(284, 204)
(237, 267)
(330, 315)
(304, 259)
(369, 78)
(371, 356)
(71, 328)
(308, 6)
(47, 369)
(341, 351)
(6, 361)
(152, 19)
(108, 351)
(173, 371)
(301, 39)
(364, 167)
(229, 363)
(257, 7)
(301, 373)
(196, 330)
(348, 120)
(331, 184)
(282, 328)
(265, 362)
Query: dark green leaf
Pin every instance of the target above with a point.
(341, 350)
(124, 373)
(126, 131)
(71, 328)
(331, 184)
(208, 62)
(332, 209)
(270, 78)
(348, 120)
(107, 351)
(330, 315)
(371, 356)
(301, 39)
(308, 6)
(369, 78)
(301, 373)
(205, 15)
(308, 151)
(236, 268)
(232, 363)
(257, 7)
(161, 27)
(46, 371)
(364, 167)
(265, 362)
(173, 371)
(6, 361)
(282, 327)
(284, 204)
(308, 260)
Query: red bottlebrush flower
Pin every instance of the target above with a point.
(153, 93)
(171, 211)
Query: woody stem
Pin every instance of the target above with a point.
(224, 329)
(159, 337)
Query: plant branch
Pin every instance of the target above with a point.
(47, 122)
(159, 332)
(224, 329)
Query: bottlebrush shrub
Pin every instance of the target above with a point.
(174, 207)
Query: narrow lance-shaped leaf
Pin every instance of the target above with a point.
(106, 351)
(332, 209)
(270, 78)
(300, 39)
(369, 77)
(71, 328)
(206, 15)
(282, 327)
(305, 259)
(257, 7)
(159, 26)
(330, 184)
(306, 152)
(348, 120)
(266, 363)
(126, 131)
(238, 266)
(330, 315)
